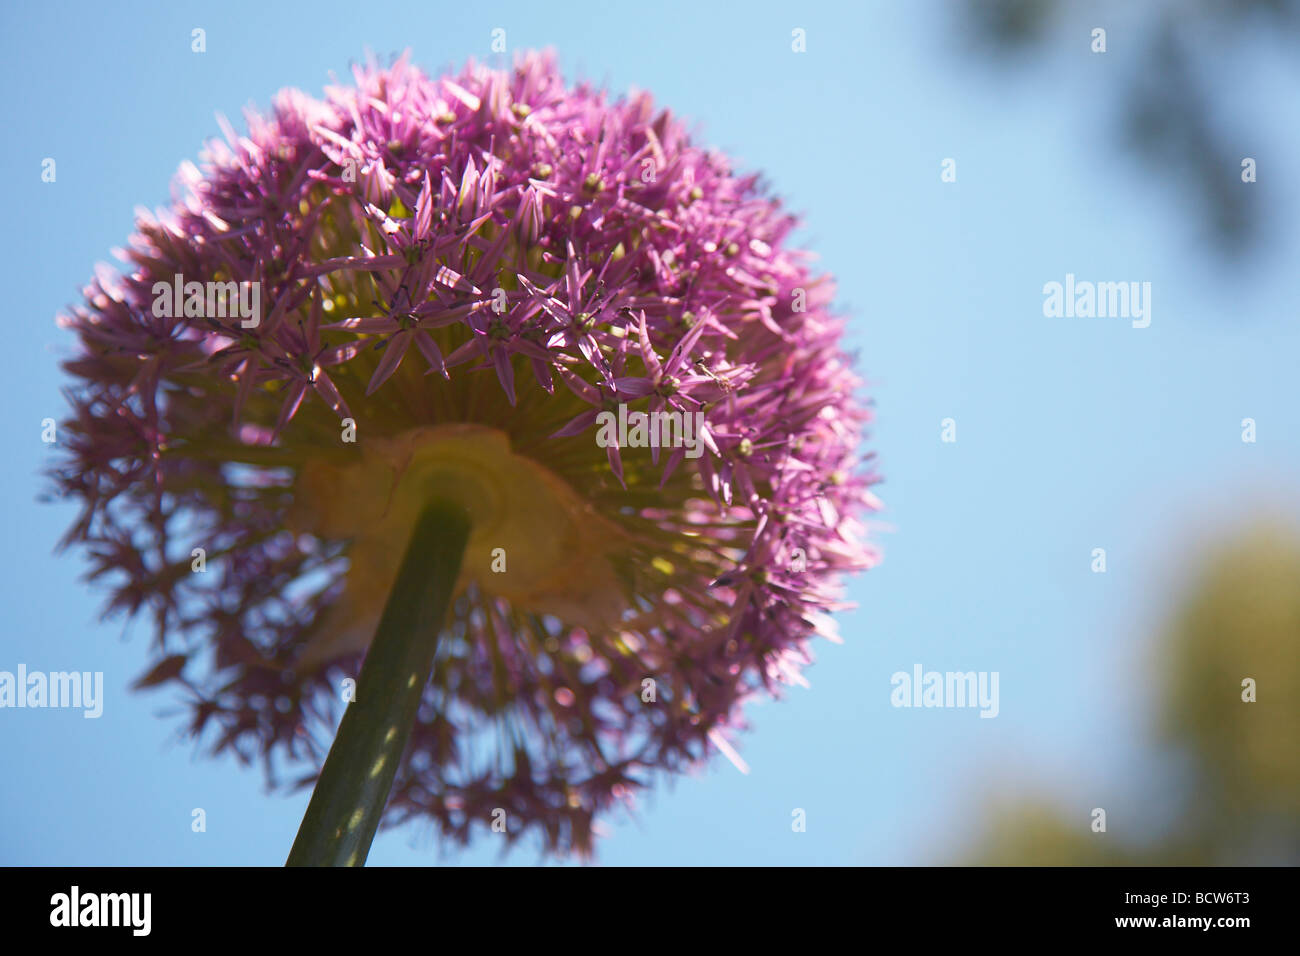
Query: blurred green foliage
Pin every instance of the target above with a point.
(1225, 772)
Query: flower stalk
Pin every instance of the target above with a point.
(354, 784)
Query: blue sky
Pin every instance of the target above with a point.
(1072, 433)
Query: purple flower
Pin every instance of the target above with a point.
(454, 279)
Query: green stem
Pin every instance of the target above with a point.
(354, 784)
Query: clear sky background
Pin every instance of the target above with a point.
(1072, 433)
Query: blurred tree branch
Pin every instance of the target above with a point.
(1173, 122)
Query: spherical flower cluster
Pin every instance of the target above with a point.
(421, 285)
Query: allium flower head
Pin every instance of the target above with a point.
(440, 284)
